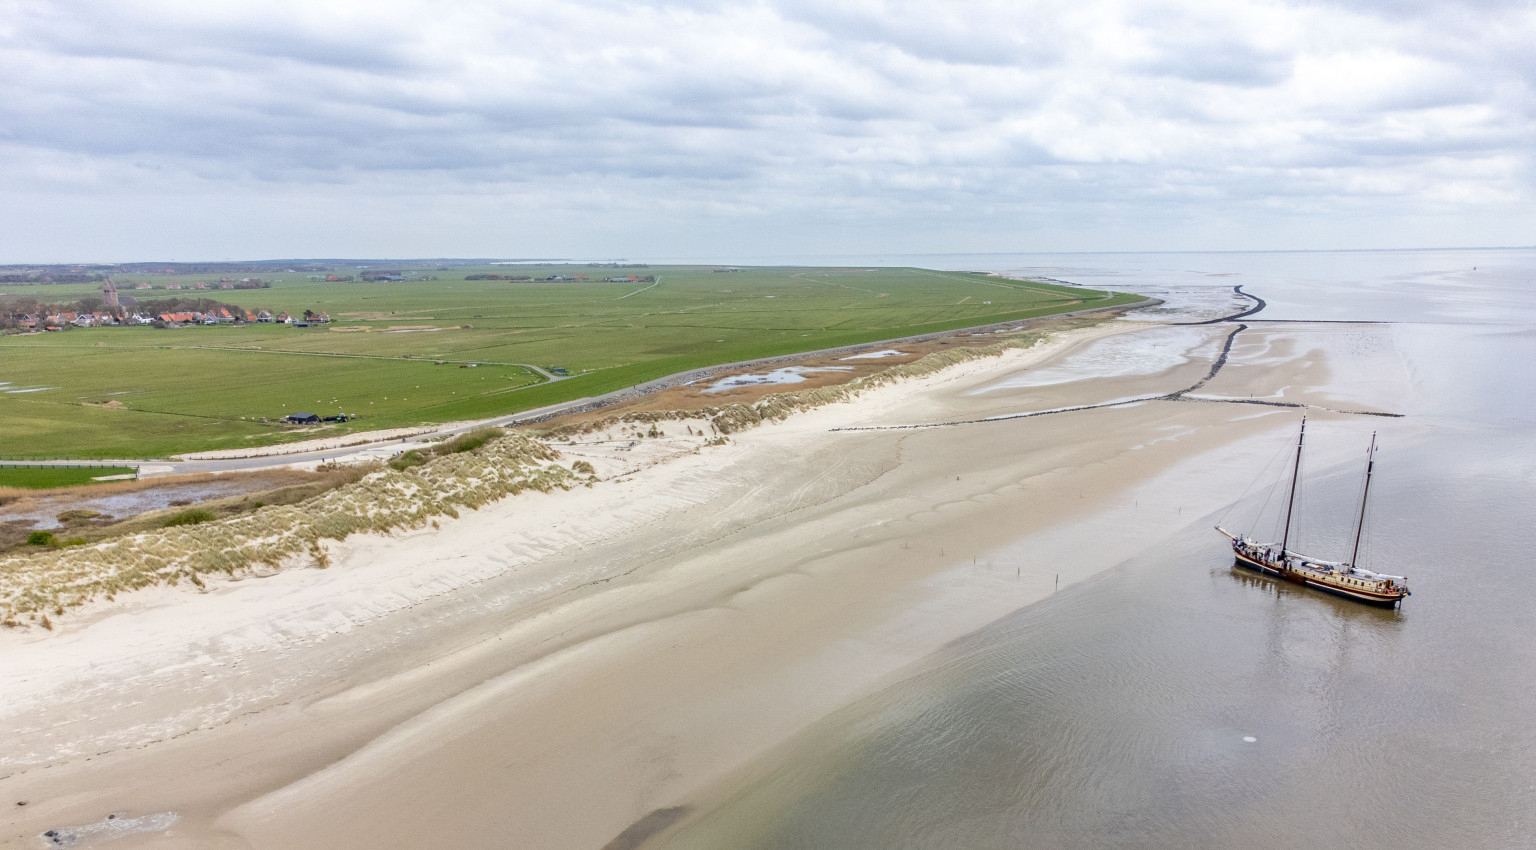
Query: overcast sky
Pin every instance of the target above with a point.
(134, 130)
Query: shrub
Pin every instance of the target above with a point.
(191, 517)
(40, 538)
(467, 442)
(406, 460)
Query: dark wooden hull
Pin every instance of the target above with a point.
(1361, 595)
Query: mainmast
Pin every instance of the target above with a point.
(1295, 474)
(1370, 464)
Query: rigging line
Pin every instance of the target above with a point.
(1304, 519)
(1269, 496)
(1281, 480)
(1253, 484)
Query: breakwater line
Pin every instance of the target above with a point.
(1005, 417)
(1258, 304)
(1221, 360)
(1293, 404)
(1176, 395)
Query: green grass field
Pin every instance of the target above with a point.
(143, 392)
(44, 477)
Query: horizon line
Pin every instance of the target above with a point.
(570, 260)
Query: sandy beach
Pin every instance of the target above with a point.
(555, 669)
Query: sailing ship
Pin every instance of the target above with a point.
(1339, 578)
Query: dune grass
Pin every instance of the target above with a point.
(273, 536)
(192, 516)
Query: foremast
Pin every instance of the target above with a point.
(1290, 505)
(1370, 466)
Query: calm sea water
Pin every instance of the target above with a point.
(1175, 702)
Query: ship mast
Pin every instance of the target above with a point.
(1370, 464)
(1295, 474)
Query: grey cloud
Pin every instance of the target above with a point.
(122, 31)
(952, 33)
(1205, 60)
(903, 113)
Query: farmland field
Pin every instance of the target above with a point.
(398, 353)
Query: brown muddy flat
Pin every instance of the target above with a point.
(116, 501)
(840, 369)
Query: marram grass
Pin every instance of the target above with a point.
(277, 535)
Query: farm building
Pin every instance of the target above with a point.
(302, 418)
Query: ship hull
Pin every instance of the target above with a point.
(1366, 597)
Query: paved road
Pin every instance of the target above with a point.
(387, 448)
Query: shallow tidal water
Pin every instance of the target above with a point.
(1175, 701)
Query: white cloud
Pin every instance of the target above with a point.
(494, 128)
